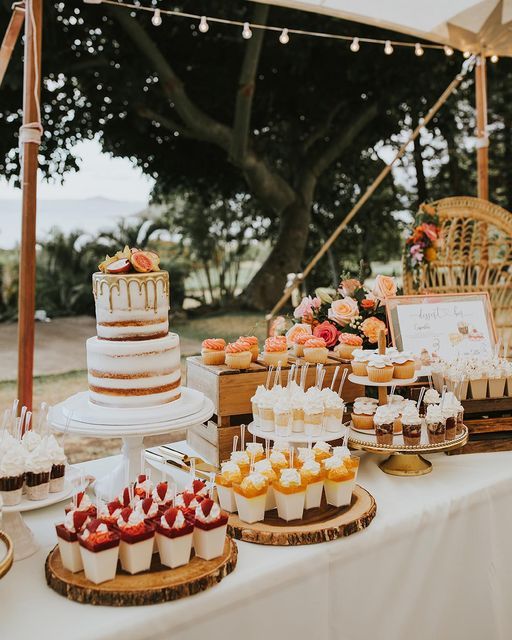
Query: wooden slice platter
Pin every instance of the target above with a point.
(160, 584)
(318, 525)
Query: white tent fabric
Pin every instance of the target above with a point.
(477, 26)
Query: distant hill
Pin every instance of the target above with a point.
(91, 214)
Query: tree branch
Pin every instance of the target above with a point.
(164, 121)
(246, 86)
(194, 118)
(320, 160)
(321, 131)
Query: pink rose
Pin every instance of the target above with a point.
(343, 311)
(328, 332)
(348, 287)
(384, 287)
(306, 306)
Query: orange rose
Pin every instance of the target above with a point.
(349, 286)
(343, 311)
(371, 327)
(384, 287)
(368, 304)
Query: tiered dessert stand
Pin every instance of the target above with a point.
(402, 460)
(79, 416)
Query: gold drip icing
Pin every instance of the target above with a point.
(147, 283)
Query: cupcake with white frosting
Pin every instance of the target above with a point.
(362, 414)
(380, 368)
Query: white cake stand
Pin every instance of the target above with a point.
(79, 416)
(298, 438)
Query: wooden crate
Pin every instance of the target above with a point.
(231, 391)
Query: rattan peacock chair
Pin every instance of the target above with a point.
(476, 255)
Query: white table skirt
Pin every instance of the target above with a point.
(435, 563)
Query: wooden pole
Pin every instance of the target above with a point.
(482, 151)
(11, 37)
(27, 272)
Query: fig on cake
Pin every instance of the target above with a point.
(119, 266)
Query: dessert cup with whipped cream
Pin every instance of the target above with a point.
(290, 493)
(383, 421)
(312, 475)
(229, 474)
(258, 396)
(297, 405)
(59, 462)
(241, 458)
(313, 413)
(210, 530)
(213, 351)
(334, 408)
(411, 426)
(174, 535)
(436, 424)
(99, 549)
(137, 537)
(12, 469)
(67, 539)
(431, 397)
(251, 497)
(38, 466)
(265, 468)
(339, 482)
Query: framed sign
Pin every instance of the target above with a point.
(442, 326)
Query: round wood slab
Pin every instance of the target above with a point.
(318, 525)
(160, 584)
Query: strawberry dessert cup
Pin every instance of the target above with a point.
(137, 537)
(67, 538)
(210, 530)
(99, 549)
(174, 534)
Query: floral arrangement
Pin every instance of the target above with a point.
(423, 243)
(351, 314)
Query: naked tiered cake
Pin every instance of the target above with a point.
(134, 361)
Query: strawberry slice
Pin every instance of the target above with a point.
(170, 516)
(119, 266)
(93, 525)
(79, 497)
(126, 497)
(161, 489)
(146, 504)
(114, 506)
(206, 506)
(198, 485)
(141, 478)
(79, 518)
(126, 513)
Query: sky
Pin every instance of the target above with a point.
(96, 197)
(99, 175)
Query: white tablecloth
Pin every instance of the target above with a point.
(435, 563)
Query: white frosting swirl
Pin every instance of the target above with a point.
(12, 463)
(39, 461)
(290, 478)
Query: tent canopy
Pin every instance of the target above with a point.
(480, 27)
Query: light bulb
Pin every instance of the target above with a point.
(203, 25)
(448, 50)
(466, 54)
(354, 45)
(246, 32)
(418, 49)
(284, 38)
(494, 58)
(157, 18)
(388, 48)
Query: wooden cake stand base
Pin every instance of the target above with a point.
(318, 525)
(160, 584)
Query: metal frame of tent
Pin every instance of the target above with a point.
(31, 12)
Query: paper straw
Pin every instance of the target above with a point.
(342, 382)
(242, 437)
(420, 397)
(334, 376)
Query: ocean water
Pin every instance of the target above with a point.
(89, 215)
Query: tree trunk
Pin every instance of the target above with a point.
(266, 287)
(421, 185)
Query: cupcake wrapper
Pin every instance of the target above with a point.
(35, 479)
(380, 375)
(11, 483)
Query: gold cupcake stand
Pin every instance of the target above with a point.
(6, 553)
(405, 460)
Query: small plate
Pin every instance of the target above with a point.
(363, 380)
(297, 438)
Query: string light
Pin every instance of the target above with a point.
(494, 58)
(246, 32)
(354, 45)
(203, 25)
(284, 38)
(285, 33)
(157, 18)
(466, 54)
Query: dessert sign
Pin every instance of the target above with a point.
(442, 326)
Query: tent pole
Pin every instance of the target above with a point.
(482, 148)
(11, 37)
(30, 149)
